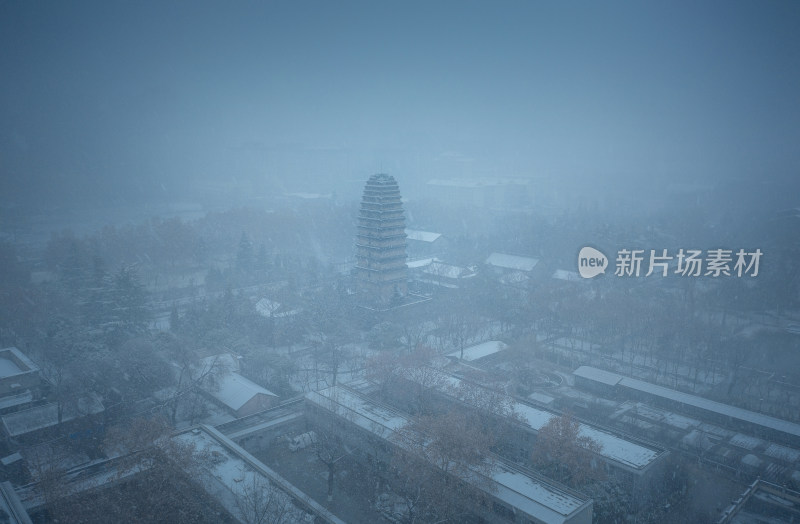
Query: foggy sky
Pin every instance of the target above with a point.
(125, 99)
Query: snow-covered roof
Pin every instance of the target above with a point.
(411, 264)
(218, 364)
(10, 459)
(422, 236)
(515, 277)
(697, 439)
(45, 416)
(514, 262)
(235, 391)
(783, 426)
(15, 362)
(234, 470)
(782, 452)
(8, 367)
(535, 496)
(358, 409)
(614, 448)
(746, 441)
(598, 375)
(751, 460)
(441, 269)
(667, 417)
(11, 508)
(480, 350)
(541, 398)
(11, 401)
(570, 276)
(269, 308)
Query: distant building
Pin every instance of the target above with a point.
(422, 244)
(381, 244)
(632, 461)
(241, 396)
(18, 373)
(479, 351)
(271, 309)
(763, 502)
(40, 423)
(567, 276)
(12, 510)
(233, 391)
(614, 385)
(517, 494)
(511, 270)
(231, 481)
(230, 478)
(444, 275)
(503, 262)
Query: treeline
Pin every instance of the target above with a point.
(170, 242)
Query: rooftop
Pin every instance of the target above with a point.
(480, 350)
(11, 509)
(15, 362)
(269, 308)
(233, 470)
(422, 262)
(613, 379)
(422, 236)
(521, 489)
(235, 391)
(440, 269)
(45, 416)
(613, 447)
(569, 276)
(516, 262)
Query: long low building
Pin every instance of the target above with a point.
(616, 385)
(78, 420)
(243, 486)
(526, 496)
(233, 471)
(628, 458)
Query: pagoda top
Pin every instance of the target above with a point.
(382, 178)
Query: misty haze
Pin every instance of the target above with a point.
(418, 262)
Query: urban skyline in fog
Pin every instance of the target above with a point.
(113, 101)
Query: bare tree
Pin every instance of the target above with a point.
(192, 374)
(413, 333)
(462, 328)
(151, 480)
(439, 460)
(564, 454)
(329, 449)
(421, 378)
(259, 502)
(329, 330)
(382, 369)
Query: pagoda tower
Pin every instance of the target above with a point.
(381, 243)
